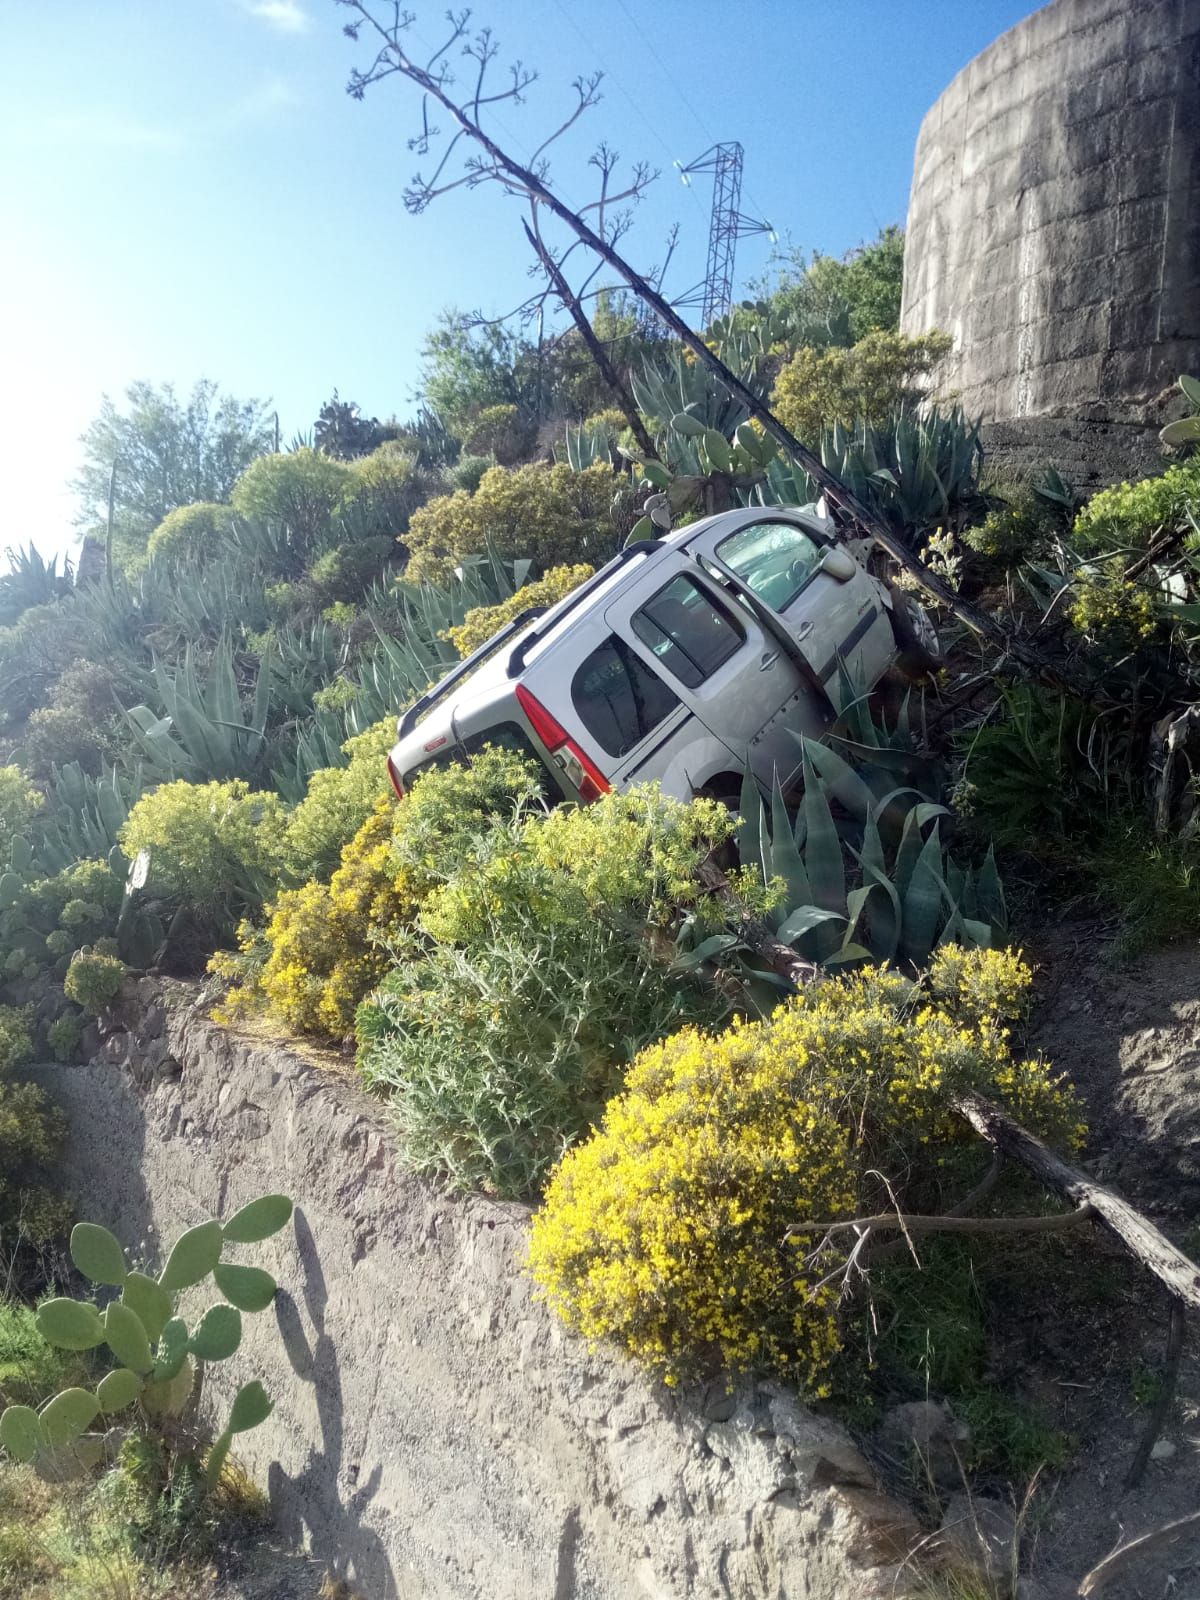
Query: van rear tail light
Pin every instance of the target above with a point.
(574, 763)
(397, 781)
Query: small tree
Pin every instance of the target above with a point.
(166, 453)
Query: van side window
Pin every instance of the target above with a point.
(689, 633)
(774, 559)
(619, 699)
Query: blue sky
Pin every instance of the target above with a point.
(187, 190)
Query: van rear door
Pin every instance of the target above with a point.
(737, 680)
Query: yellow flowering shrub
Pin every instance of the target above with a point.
(549, 514)
(339, 800)
(1111, 611)
(481, 622)
(325, 946)
(871, 379)
(668, 1230)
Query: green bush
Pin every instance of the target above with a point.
(550, 515)
(467, 472)
(80, 723)
(16, 1038)
(63, 1036)
(19, 805)
(500, 1046)
(32, 1207)
(347, 571)
(301, 489)
(1134, 515)
(883, 373)
(216, 847)
(338, 802)
(1014, 532)
(501, 432)
(192, 532)
(94, 979)
(386, 489)
(28, 1364)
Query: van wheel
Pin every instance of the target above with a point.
(920, 647)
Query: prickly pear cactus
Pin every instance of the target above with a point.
(157, 1356)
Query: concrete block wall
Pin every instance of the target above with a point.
(1054, 224)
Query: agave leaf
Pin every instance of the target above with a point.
(922, 901)
(750, 825)
(911, 840)
(989, 893)
(823, 857)
(706, 950)
(786, 861)
(840, 777)
(803, 920)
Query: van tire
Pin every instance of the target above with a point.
(726, 790)
(920, 650)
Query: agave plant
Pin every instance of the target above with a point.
(85, 815)
(865, 872)
(31, 581)
(672, 383)
(914, 472)
(205, 732)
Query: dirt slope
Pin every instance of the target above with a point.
(1129, 1037)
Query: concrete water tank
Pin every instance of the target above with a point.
(1054, 230)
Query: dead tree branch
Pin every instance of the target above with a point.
(1127, 1555)
(596, 350)
(1139, 1236)
(905, 1222)
(530, 181)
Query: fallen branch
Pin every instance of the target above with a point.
(1139, 1236)
(755, 934)
(902, 1222)
(1176, 1328)
(1125, 1555)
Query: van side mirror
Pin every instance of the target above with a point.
(838, 563)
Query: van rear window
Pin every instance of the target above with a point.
(618, 698)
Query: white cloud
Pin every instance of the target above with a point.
(289, 16)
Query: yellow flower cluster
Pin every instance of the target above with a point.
(667, 1231)
(1110, 610)
(481, 622)
(328, 943)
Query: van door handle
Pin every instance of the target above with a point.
(769, 660)
(803, 630)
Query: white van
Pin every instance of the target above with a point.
(681, 660)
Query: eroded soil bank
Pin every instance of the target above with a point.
(434, 1433)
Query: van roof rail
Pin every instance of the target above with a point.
(642, 547)
(457, 673)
